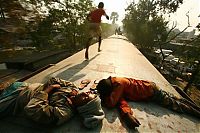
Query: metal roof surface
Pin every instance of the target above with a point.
(117, 58)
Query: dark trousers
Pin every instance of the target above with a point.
(180, 105)
(88, 45)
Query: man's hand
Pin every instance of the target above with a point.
(49, 88)
(73, 92)
(107, 17)
(131, 121)
(82, 98)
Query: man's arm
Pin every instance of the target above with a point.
(104, 13)
(123, 107)
(39, 110)
(112, 99)
(61, 82)
(107, 17)
(127, 114)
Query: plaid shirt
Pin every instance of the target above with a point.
(42, 107)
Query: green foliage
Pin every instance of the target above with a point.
(51, 23)
(107, 29)
(42, 36)
(169, 6)
(144, 22)
(12, 9)
(65, 19)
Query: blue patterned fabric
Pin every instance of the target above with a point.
(8, 98)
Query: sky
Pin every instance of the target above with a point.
(110, 6)
(193, 6)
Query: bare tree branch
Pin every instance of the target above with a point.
(166, 42)
(188, 17)
(173, 27)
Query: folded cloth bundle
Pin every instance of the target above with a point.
(92, 113)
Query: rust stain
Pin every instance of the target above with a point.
(149, 124)
(169, 126)
(158, 131)
(105, 68)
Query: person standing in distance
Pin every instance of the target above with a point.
(94, 18)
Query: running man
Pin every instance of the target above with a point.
(94, 19)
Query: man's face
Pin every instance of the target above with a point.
(82, 98)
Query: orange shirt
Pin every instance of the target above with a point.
(130, 89)
(95, 16)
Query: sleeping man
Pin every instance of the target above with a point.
(56, 101)
(114, 91)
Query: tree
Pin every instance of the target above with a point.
(144, 21)
(47, 20)
(13, 20)
(65, 18)
(194, 56)
(114, 17)
(146, 27)
(169, 38)
(1, 11)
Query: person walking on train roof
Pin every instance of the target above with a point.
(94, 19)
(114, 91)
(54, 102)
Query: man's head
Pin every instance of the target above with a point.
(101, 5)
(104, 87)
(90, 109)
(82, 98)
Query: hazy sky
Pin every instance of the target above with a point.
(193, 6)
